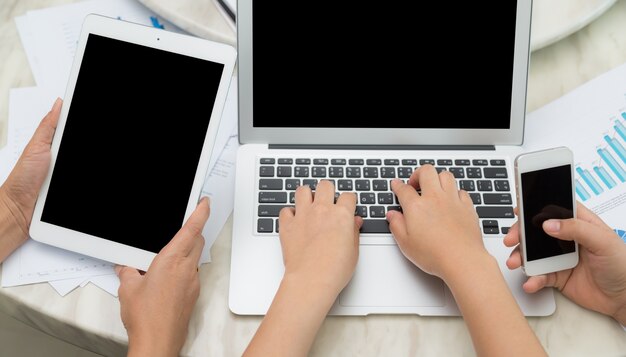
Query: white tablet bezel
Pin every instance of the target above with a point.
(155, 38)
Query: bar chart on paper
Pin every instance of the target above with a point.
(609, 168)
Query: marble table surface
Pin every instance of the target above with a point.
(89, 317)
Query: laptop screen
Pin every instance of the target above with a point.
(450, 73)
(351, 63)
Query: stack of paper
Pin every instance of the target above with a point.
(49, 38)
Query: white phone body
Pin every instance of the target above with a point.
(545, 189)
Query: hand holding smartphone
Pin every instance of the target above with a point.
(545, 190)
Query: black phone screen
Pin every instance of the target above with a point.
(546, 194)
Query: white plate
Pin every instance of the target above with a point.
(557, 19)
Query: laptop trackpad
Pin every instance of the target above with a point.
(384, 277)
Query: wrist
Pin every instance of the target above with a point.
(459, 269)
(155, 346)
(323, 290)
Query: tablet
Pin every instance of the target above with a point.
(133, 142)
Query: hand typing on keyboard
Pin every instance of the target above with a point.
(438, 231)
(320, 245)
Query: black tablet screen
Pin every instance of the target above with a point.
(132, 141)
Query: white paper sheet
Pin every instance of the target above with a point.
(590, 121)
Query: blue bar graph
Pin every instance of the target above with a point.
(615, 145)
(604, 176)
(581, 192)
(621, 129)
(614, 165)
(621, 234)
(590, 181)
(624, 115)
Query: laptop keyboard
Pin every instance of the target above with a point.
(487, 181)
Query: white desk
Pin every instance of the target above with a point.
(89, 317)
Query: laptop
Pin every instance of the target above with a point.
(361, 94)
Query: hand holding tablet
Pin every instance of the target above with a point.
(133, 142)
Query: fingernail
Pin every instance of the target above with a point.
(57, 103)
(552, 225)
(205, 198)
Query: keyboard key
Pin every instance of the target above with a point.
(505, 230)
(467, 185)
(385, 198)
(301, 171)
(480, 162)
(362, 185)
(292, 197)
(267, 161)
(335, 171)
(366, 198)
(495, 212)
(501, 185)
(312, 183)
(361, 211)
(376, 162)
(474, 172)
(277, 224)
(356, 162)
(388, 172)
(318, 171)
(427, 161)
(271, 210)
(370, 172)
(380, 185)
(495, 172)
(405, 172)
(272, 197)
(490, 223)
(285, 161)
(462, 162)
(375, 226)
(344, 185)
(484, 185)
(498, 163)
(440, 169)
(394, 208)
(409, 162)
(303, 161)
(320, 161)
(266, 171)
(490, 230)
(284, 171)
(353, 172)
(377, 211)
(291, 184)
(338, 161)
(444, 162)
(476, 198)
(265, 225)
(394, 162)
(458, 172)
(270, 184)
(497, 199)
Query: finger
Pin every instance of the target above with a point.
(515, 259)
(325, 192)
(536, 283)
(406, 193)
(426, 178)
(303, 196)
(511, 239)
(592, 237)
(448, 182)
(184, 241)
(397, 225)
(465, 197)
(125, 273)
(47, 126)
(347, 200)
(196, 250)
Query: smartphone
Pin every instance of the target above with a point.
(545, 190)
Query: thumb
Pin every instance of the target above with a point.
(125, 273)
(45, 130)
(397, 224)
(594, 238)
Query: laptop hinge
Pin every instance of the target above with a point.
(383, 147)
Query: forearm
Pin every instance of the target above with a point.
(12, 232)
(292, 322)
(495, 321)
